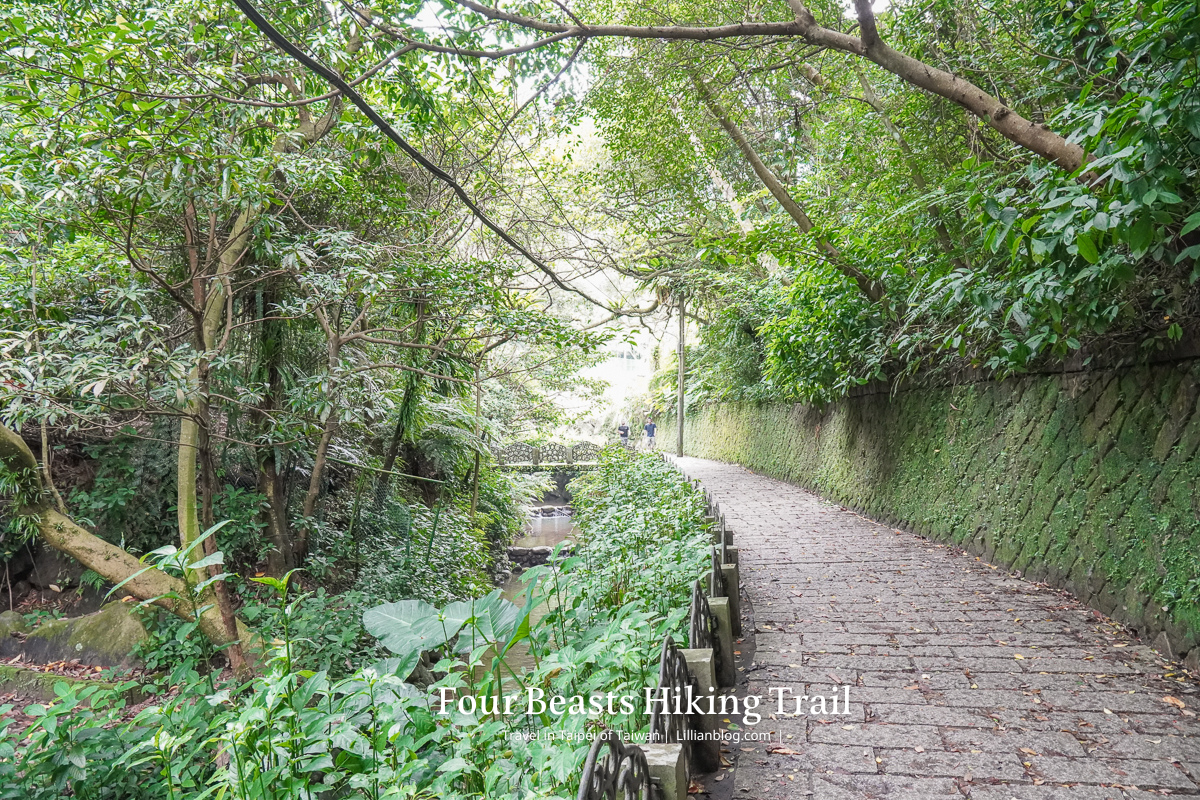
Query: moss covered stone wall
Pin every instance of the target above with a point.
(1088, 481)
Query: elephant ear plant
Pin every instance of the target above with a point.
(472, 628)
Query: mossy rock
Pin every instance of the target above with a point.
(106, 638)
(33, 685)
(11, 622)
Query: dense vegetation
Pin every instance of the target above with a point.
(833, 226)
(276, 279)
(293, 732)
(277, 326)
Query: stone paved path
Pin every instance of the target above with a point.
(964, 680)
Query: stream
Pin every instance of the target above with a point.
(547, 526)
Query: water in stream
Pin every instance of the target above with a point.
(547, 526)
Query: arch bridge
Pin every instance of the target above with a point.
(564, 462)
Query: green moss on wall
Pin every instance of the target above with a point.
(1087, 481)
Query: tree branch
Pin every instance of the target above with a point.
(869, 287)
(1037, 138)
(340, 84)
(866, 23)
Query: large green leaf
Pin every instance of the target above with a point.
(491, 619)
(407, 626)
(1087, 248)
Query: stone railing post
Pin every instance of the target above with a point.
(706, 752)
(726, 669)
(668, 768)
(732, 585)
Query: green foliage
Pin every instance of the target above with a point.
(660, 519)
(988, 257)
(73, 749)
(353, 307)
(20, 489)
(400, 550)
(326, 630)
(171, 642)
(294, 732)
(825, 343)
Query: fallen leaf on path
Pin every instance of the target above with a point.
(1174, 701)
(780, 750)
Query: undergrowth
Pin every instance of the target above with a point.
(298, 732)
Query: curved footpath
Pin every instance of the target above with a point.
(965, 681)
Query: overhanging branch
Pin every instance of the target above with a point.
(379, 122)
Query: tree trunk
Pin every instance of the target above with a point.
(109, 561)
(943, 234)
(270, 480)
(871, 288)
(220, 589)
(478, 434)
(320, 458)
(194, 437)
(680, 399)
(280, 558)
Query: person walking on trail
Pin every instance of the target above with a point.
(650, 428)
(623, 430)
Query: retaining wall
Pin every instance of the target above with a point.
(1088, 481)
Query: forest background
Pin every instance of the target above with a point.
(290, 279)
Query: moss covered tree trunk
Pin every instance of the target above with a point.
(107, 560)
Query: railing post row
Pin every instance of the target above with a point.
(660, 769)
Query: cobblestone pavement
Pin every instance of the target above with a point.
(964, 680)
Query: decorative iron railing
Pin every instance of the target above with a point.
(615, 770)
(702, 624)
(674, 681)
(716, 576)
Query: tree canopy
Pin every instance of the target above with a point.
(283, 241)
